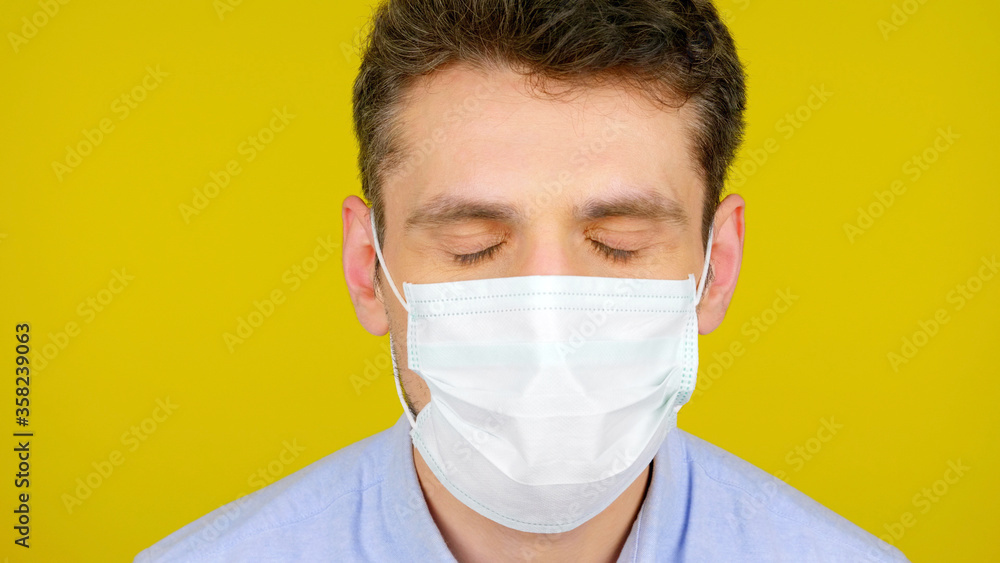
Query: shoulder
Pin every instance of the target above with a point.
(321, 500)
(764, 514)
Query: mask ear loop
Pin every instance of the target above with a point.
(381, 261)
(392, 348)
(701, 286)
(708, 262)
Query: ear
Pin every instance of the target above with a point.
(359, 266)
(727, 255)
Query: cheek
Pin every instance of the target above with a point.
(416, 390)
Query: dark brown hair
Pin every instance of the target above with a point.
(677, 51)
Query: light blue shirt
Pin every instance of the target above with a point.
(363, 503)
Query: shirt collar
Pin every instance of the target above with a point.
(407, 517)
(661, 519)
(664, 511)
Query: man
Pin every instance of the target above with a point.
(545, 242)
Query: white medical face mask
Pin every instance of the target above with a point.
(549, 394)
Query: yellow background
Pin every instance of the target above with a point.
(825, 358)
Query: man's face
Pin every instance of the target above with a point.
(500, 181)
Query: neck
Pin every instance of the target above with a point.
(473, 538)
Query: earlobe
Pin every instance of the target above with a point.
(359, 266)
(727, 256)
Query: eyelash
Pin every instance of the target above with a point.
(475, 257)
(615, 254)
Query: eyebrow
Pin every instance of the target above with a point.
(443, 210)
(643, 205)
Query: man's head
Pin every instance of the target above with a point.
(578, 137)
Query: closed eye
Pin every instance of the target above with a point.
(615, 254)
(476, 257)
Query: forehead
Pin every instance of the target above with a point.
(492, 134)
